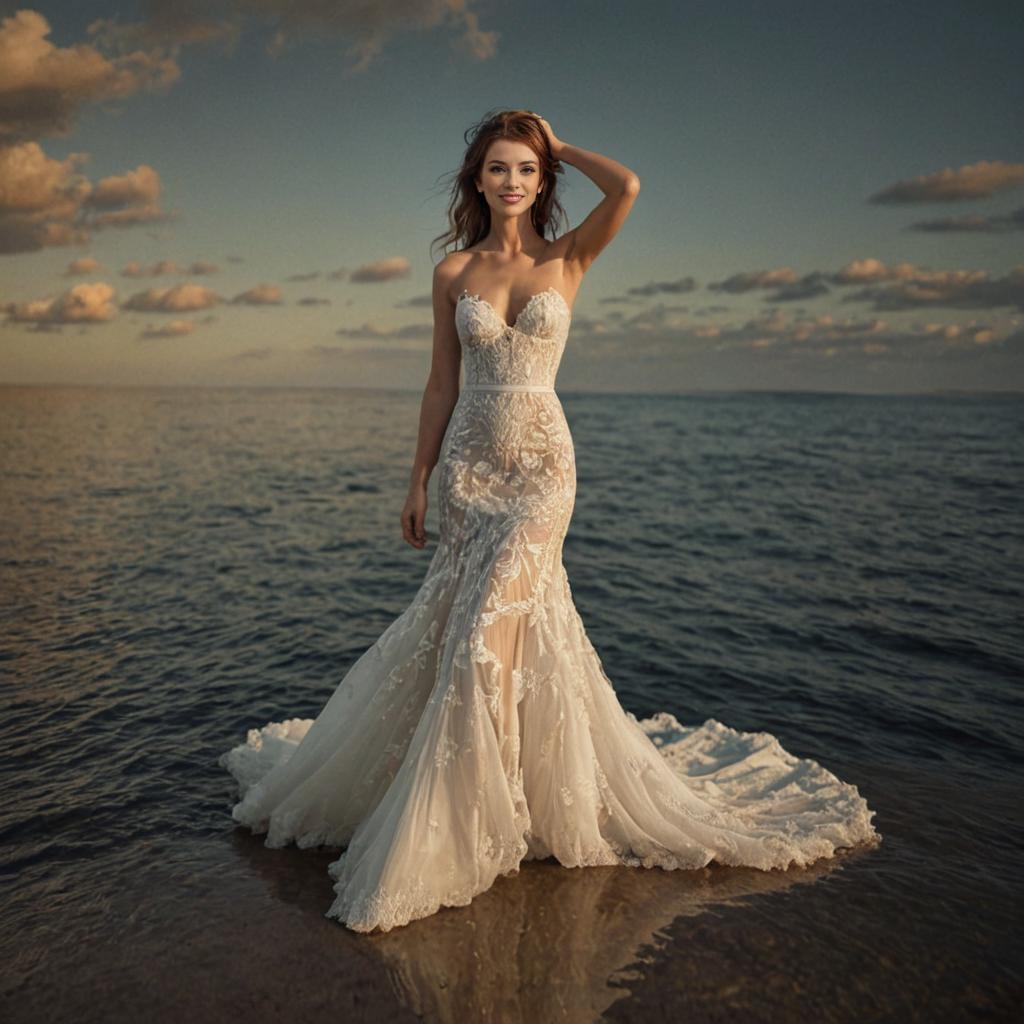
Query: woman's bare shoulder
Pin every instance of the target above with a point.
(449, 268)
(448, 271)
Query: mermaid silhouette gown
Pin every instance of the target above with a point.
(480, 730)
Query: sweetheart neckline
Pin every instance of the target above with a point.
(467, 294)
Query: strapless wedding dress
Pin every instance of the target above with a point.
(480, 730)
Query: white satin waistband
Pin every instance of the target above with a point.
(507, 387)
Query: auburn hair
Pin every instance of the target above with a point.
(469, 216)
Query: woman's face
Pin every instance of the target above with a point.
(511, 168)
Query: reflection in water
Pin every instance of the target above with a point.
(548, 943)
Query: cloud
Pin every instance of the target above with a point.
(887, 288)
(976, 181)
(46, 202)
(180, 299)
(131, 198)
(368, 28)
(42, 86)
(139, 186)
(169, 25)
(808, 287)
(174, 329)
(884, 287)
(163, 267)
(953, 289)
(970, 334)
(89, 302)
(662, 333)
(39, 199)
(871, 269)
(974, 222)
(680, 286)
(749, 280)
(260, 295)
(369, 330)
(83, 265)
(383, 270)
(783, 283)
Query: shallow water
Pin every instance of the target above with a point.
(179, 565)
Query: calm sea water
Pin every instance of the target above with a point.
(179, 565)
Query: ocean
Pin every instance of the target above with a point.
(179, 565)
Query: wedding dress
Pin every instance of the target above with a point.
(480, 729)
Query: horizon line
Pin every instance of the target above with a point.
(1016, 392)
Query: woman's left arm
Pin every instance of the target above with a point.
(620, 186)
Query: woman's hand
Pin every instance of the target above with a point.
(414, 516)
(555, 143)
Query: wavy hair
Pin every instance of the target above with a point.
(469, 216)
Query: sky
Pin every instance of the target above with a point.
(245, 192)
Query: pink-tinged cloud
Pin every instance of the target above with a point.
(260, 295)
(975, 181)
(180, 299)
(392, 269)
(89, 302)
(42, 86)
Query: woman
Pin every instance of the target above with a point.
(480, 730)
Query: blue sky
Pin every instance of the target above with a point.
(245, 192)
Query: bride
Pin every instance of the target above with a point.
(480, 730)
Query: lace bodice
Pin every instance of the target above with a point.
(526, 352)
